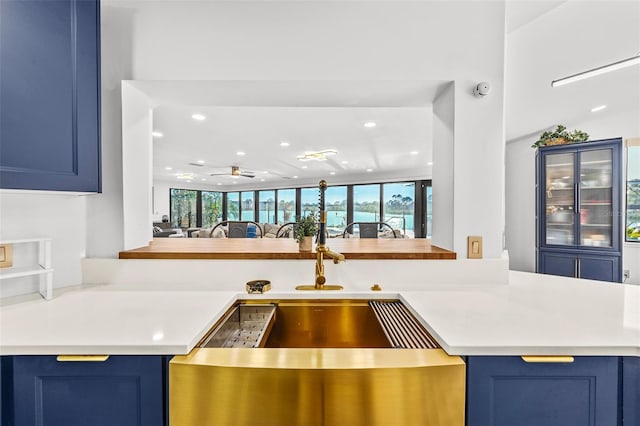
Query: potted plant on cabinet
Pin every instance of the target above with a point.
(560, 136)
(304, 230)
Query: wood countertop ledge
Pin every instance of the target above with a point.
(285, 248)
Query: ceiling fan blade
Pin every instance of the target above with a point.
(247, 176)
(218, 174)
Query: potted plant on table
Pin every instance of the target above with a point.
(304, 230)
(560, 136)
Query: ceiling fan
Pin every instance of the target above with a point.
(235, 172)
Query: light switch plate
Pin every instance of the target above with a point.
(474, 247)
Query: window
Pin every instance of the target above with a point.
(399, 206)
(335, 200)
(309, 201)
(267, 206)
(366, 203)
(246, 207)
(633, 191)
(394, 203)
(183, 207)
(233, 205)
(211, 208)
(286, 205)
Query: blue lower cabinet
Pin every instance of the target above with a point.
(6, 409)
(601, 267)
(631, 391)
(506, 391)
(122, 391)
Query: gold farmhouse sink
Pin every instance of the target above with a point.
(324, 362)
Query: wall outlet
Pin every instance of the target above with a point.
(625, 275)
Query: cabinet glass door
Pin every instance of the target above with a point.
(596, 215)
(559, 199)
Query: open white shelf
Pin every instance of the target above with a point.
(41, 268)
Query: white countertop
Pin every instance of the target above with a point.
(533, 314)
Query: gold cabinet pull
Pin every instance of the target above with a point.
(547, 358)
(82, 358)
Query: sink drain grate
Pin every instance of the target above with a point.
(400, 327)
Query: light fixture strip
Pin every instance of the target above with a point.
(634, 60)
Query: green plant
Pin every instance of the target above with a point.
(561, 133)
(306, 226)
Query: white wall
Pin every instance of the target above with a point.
(459, 41)
(104, 215)
(521, 205)
(79, 226)
(40, 215)
(137, 173)
(521, 189)
(354, 41)
(443, 168)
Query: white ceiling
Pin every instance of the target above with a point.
(562, 39)
(255, 117)
(546, 40)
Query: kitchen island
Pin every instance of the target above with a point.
(582, 338)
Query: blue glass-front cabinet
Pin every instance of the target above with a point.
(50, 95)
(578, 210)
(122, 391)
(507, 391)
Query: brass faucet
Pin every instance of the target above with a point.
(322, 250)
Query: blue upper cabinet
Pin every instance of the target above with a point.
(579, 210)
(50, 95)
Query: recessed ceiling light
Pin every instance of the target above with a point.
(188, 181)
(168, 168)
(430, 163)
(295, 177)
(332, 173)
(234, 182)
(414, 153)
(241, 153)
(203, 179)
(198, 117)
(369, 170)
(344, 162)
(370, 124)
(219, 184)
(284, 143)
(598, 108)
(261, 180)
(157, 134)
(185, 176)
(201, 161)
(304, 167)
(266, 171)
